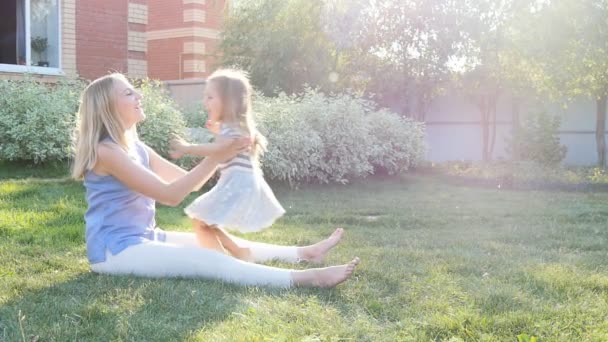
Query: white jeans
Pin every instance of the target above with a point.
(181, 256)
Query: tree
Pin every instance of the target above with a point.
(493, 63)
(413, 42)
(282, 44)
(398, 51)
(572, 47)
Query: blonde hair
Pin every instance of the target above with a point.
(234, 91)
(97, 120)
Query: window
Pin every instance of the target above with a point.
(30, 36)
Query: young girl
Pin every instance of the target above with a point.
(241, 199)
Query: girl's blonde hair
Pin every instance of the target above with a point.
(234, 91)
(97, 120)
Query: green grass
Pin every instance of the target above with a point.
(439, 262)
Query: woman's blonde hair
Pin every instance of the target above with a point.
(234, 91)
(97, 120)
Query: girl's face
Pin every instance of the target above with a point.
(213, 103)
(128, 103)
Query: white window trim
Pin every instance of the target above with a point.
(27, 69)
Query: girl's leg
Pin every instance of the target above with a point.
(158, 259)
(206, 236)
(230, 244)
(260, 252)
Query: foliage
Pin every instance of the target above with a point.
(37, 119)
(163, 118)
(522, 172)
(416, 42)
(568, 41)
(397, 142)
(320, 138)
(195, 116)
(281, 43)
(396, 51)
(538, 140)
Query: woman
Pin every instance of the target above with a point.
(124, 178)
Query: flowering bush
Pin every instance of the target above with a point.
(37, 119)
(163, 119)
(317, 138)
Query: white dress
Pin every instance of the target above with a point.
(241, 200)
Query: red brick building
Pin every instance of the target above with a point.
(161, 39)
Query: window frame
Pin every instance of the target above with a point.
(31, 69)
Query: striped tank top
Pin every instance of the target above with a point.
(242, 161)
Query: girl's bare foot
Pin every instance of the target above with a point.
(316, 253)
(325, 277)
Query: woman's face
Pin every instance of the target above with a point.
(213, 103)
(128, 103)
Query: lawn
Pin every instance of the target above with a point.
(439, 262)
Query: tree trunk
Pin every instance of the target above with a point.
(485, 129)
(492, 114)
(515, 127)
(600, 131)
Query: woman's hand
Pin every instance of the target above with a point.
(178, 147)
(234, 147)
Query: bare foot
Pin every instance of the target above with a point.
(325, 277)
(316, 253)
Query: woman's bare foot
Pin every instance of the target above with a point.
(316, 253)
(325, 277)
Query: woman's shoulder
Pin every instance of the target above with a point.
(108, 150)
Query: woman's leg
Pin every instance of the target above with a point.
(324, 277)
(181, 238)
(260, 252)
(159, 259)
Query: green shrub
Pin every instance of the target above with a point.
(317, 138)
(294, 148)
(537, 140)
(37, 120)
(195, 116)
(163, 119)
(398, 143)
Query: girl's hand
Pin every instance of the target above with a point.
(178, 147)
(213, 126)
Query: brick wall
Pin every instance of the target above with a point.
(101, 37)
(68, 37)
(137, 63)
(162, 39)
(182, 36)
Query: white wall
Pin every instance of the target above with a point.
(453, 130)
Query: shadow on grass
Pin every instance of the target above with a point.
(97, 307)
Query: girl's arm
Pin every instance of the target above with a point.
(170, 172)
(162, 167)
(114, 161)
(180, 147)
(199, 150)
